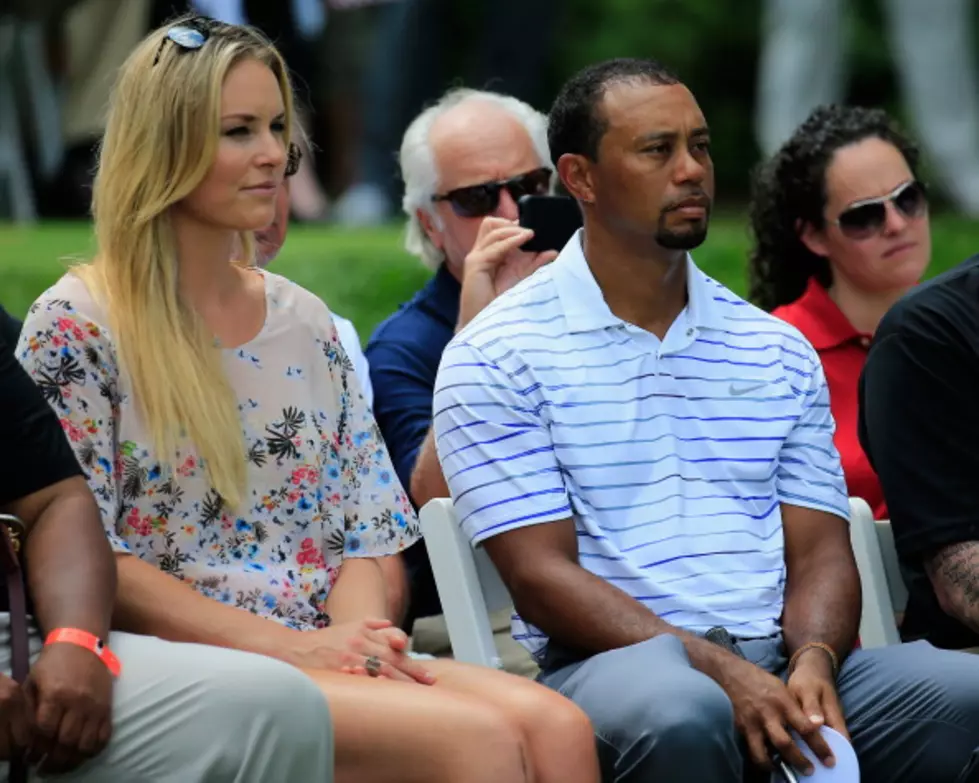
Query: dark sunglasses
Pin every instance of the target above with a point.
(191, 36)
(866, 218)
(483, 199)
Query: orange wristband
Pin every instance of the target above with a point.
(90, 642)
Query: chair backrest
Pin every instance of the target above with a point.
(469, 586)
(880, 577)
(892, 567)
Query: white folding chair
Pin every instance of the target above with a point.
(884, 593)
(469, 586)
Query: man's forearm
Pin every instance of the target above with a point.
(584, 613)
(427, 481)
(153, 603)
(822, 604)
(954, 574)
(70, 566)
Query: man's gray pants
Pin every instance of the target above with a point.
(187, 713)
(912, 712)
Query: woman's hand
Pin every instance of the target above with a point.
(345, 647)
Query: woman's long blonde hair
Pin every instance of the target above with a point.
(160, 141)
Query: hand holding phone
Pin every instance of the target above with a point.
(495, 264)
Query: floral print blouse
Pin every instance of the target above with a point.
(320, 483)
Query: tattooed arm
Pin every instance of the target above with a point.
(954, 573)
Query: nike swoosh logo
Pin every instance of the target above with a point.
(737, 391)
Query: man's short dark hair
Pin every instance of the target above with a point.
(575, 124)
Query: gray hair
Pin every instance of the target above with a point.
(420, 173)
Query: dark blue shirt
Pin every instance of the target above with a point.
(404, 354)
(9, 328)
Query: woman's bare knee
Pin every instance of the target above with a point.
(567, 728)
(557, 735)
(475, 746)
(491, 740)
(570, 722)
(391, 732)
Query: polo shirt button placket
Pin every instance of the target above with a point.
(691, 335)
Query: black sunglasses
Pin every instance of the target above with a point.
(483, 199)
(866, 218)
(191, 36)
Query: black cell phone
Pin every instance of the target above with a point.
(554, 219)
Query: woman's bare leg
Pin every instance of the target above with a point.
(559, 736)
(394, 732)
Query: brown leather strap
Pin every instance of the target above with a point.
(11, 536)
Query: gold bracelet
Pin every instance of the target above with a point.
(833, 659)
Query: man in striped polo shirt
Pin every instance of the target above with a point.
(648, 458)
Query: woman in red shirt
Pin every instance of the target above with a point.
(841, 232)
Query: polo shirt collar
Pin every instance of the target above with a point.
(440, 296)
(585, 308)
(821, 321)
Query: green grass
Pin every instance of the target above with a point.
(364, 275)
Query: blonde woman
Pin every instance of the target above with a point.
(241, 479)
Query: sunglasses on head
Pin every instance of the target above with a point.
(191, 36)
(483, 199)
(866, 218)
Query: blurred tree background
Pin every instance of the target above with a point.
(713, 45)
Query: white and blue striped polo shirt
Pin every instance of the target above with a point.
(672, 456)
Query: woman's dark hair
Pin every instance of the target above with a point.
(790, 190)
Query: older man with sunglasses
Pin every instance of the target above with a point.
(465, 161)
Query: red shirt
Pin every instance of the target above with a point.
(843, 351)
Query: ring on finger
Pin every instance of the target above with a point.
(373, 666)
